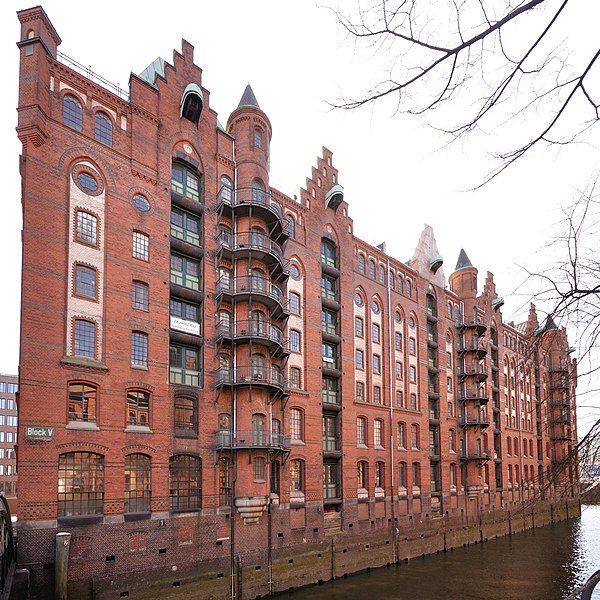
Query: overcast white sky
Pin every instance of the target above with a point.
(396, 173)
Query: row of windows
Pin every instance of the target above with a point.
(7, 470)
(403, 284)
(72, 113)
(10, 388)
(8, 403)
(512, 447)
(378, 398)
(11, 421)
(8, 453)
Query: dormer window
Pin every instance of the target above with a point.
(191, 103)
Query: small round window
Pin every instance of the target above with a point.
(411, 323)
(375, 307)
(87, 182)
(358, 299)
(141, 203)
(294, 271)
(398, 317)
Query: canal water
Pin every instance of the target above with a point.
(542, 564)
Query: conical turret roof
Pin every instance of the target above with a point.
(463, 260)
(248, 98)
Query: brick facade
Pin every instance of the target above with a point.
(190, 336)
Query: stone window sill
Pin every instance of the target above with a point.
(138, 429)
(87, 425)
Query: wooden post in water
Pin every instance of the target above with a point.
(61, 565)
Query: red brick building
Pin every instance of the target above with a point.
(8, 437)
(216, 379)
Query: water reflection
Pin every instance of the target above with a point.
(542, 564)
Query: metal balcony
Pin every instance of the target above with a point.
(470, 421)
(482, 456)
(478, 372)
(251, 440)
(267, 334)
(253, 244)
(257, 202)
(270, 378)
(473, 396)
(472, 324)
(249, 287)
(476, 346)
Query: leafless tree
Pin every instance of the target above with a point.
(471, 65)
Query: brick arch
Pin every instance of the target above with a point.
(176, 143)
(77, 154)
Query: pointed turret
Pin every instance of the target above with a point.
(464, 279)
(463, 260)
(248, 98)
(550, 324)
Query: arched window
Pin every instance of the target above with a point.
(392, 279)
(328, 254)
(416, 468)
(402, 435)
(415, 436)
(224, 281)
(186, 417)
(290, 226)
(137, 483)
(381, 274)
(80, 484)
(258, 366)
(257, 138)
(72, 113)
(103, 129)
(372, 269)
(452, 440)
(378, 433)
(400, 284)
(408, 287)
(362, 475)
(185, 482)
(224, 481)
(259, 194)
(259, 469)
(138, 408)
(224, 433)
(83, 400)
(297, 475)
(402, 476)
(226, 191)
(361, 431)
(258, 429)
(361, 264)
(296, 424)
(186, 182)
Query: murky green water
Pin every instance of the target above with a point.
(543, 564)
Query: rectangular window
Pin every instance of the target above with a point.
(360, 391)
(85, 281)
(358, 327)
(184, 365)
(330, 391)
(294, 340)
(329, 354)
(329, 322)
(328, 288)
(139, 295)
(330, 438)
(412, 374)
(377, 432)
(398, 370)
(84, 338)
(185, 227)
(415, 442)
(412, 346)
(414, 405)
(139, 349)
(141, 243)
(377, 395)
(398, 341)
(400, 399)
(375, 333)
(185, 272)
(294, 303)
(360, 362)
(295, 378)
(185, 414)
(87, 228)
(376, 363)
(184, 310)
(402, 436)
